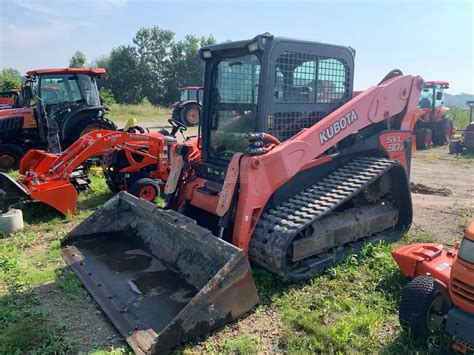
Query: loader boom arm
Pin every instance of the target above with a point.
(95, 143)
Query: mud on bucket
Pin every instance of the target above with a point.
(159, 277)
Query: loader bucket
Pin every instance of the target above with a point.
(159, 277)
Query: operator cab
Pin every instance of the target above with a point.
(433, 92)
(63, 90)
(268, 84)
(190, 93)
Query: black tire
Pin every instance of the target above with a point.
(10, 156)
(417, 307)
(74, 132)
(145, 184)
(444, 130)
(455, 147)
(189, 114)
(423, 138)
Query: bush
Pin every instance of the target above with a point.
(107, 96)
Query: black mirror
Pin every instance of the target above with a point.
(439, 95)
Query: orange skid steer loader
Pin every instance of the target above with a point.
(289, 169)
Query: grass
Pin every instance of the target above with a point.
(242, 344)
(148, 112)
(460, 116)
(352, 307)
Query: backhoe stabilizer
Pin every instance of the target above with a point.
(159, 277)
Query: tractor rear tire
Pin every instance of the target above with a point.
(444, 131)
(189, 114)
(146, 189)
(423, 138)
(10, 156)
(87, 125)
(418, 307)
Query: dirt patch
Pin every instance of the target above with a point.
(265, 324)
(441, 214)
(426, 190)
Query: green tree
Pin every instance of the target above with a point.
(153, 47)
(78, 60)
(107, 96)
(125, 75)
(185, 67)
(10, 79)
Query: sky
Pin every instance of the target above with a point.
(432, 38)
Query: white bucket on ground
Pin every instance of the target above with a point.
(11, 221)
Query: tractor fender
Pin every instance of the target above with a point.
(75, 116)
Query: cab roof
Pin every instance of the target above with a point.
(445, 84)
(91, 71)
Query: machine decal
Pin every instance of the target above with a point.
(394, 143)
(337, 127)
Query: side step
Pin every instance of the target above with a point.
(159, 277)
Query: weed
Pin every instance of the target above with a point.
(67, 281)
(243, 344)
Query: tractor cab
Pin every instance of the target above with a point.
(58, 93)
(434, 125)
(270, 85)
(432, 95)
(187, 93)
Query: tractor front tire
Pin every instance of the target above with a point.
(190, 114)
(423, 138)
(444, 131)
(87, 125)
(10, 156)
(419, 307)
(146, 189)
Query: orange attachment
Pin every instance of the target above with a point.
(61, 195)
(48, 177)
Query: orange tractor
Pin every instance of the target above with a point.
(289, 171)
(187, 109)
(433, 125)
(441, 293)
(466, 141)
(132, 160)
(56, 107)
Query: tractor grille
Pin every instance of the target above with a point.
(284, 125)
(11, 124)
(463, 290)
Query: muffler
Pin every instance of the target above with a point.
(158, 276)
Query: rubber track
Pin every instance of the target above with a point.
(278, 226)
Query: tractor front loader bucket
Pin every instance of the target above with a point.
(159, 277)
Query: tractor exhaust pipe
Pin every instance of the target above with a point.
(159, 277)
